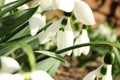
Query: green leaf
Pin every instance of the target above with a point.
(1, 2)
(10, 6)
(52, 54)
(10, 47)
(6, 49)
(54, 68)
(19, 32)
(46, 64)
(13, 21)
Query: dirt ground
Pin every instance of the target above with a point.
(71, 71)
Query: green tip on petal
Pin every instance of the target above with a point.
(68, 14)
(103, 70)
(109, 58)
(64, 21)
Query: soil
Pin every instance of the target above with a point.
(71, 71)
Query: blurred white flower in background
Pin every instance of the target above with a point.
(40, 75)
(109, 33)
(9, 65)
(82, 38)
(6, 76)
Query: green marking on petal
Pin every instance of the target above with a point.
(61, 29)
(68, 14)
(109, 58)
(103, 70)
(100, 78)
(64, 21)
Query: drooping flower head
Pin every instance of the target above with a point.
(81, 10)
(104, 71)
(82, 38)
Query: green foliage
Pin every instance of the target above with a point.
(13, 21)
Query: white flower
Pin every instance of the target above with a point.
(65, 37)
(106, 75)
(83, 38)
(40, 75)
(36, 22)
(50, 32)
(9, 65)
(6, 76)
(81, 10)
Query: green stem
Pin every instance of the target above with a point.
(88, 44)
(29, 52)
(102, 43)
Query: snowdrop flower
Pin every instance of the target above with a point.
(104, 71)
(101, 73)
(65, 37)
(81, 10)
(50, 32)
(8, 65)
(83, 38)
(36, 22)
(40, 75)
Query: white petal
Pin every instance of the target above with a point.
(83, 13)
(65, 5)
(65, 39)
(108, 75)
(40, 75)
(76, 51)
(47, 5)
(18, 76)
(9, 65)
(6, 76)
(36, 22)
(83, 38)
(49, 32)
(92, 75)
